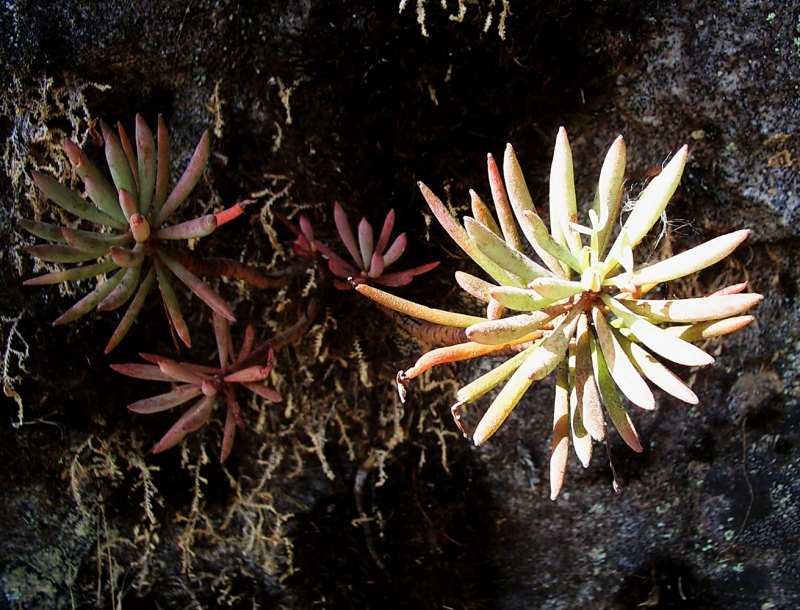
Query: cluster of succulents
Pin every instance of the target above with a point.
(582, 312)
(131, 246)
(131, 242)
(371, 259)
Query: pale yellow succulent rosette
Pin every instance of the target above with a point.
(582, 311)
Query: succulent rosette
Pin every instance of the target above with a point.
(206, 383)
(581, 310)
(371, 258)
(131, 242)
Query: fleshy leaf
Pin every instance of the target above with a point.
(194, 418)
(586, 392)
(168, 400)
(609, 192)
(502, 206)
(191, 176)
(685, 263)
(496, 332)
(561, 427)
(613, 404)
(622, 370)
(511, 260)
(415, 310)
(649, 207)
(657, 339)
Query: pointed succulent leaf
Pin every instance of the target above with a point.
(693, 310)
(247, 345)
(340, 268)
(74, 203)
(554, 288)
(100, 191)
(148, 372)
(622, 370)
(474, 286)
(502, 206)
(521, 202)
(146, 164)
(395, 250)
(232, 417)
(190, 229)
(202, 290)
(123, 291)
(376, 266)
(106, 202)
(172, 305)
(118, 162)
(180, 372)
(197, 416)
(611, 400)
(263, 391)
(90, 301)
(708, 330)
(520, 299)
(415, 310)
(133, 310)
(386, 232)
(127, 258)
(481, 213)
(685, 263)
(449, 353)
(346, 233)
(59, 253)
(129, 154)
(249, 374)
(586, 392)
(191, 176)
(504, 330)
(43, 230)
(71, 275)
(396, 279)
(162, 164)
(96, 244)
(168, 400)
(544, 241)
(366, 242)
(657, 372)
(513, 261)
(657, 339)
(609, 192)
(563, 205)
(561, 427)
(581, 439)
(650, 206)
(222, 334)
(732, 289)
(128, 204)
(488, 381)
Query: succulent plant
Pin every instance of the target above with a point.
(130, 242)
(207, 382)
(582, 312)
(371, 259)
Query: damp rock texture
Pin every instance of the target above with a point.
(341, 496)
